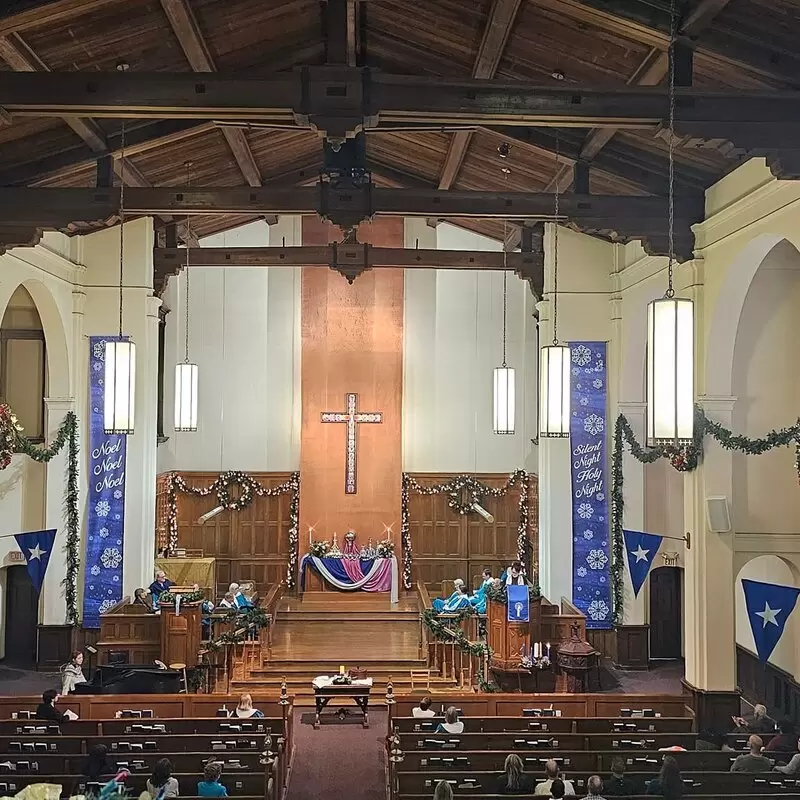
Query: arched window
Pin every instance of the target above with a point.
(23, 363)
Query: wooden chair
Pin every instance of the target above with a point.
(421, 676)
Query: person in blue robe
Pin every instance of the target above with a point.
(478, 599)
(456, 602)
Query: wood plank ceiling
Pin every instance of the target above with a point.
(737, 43)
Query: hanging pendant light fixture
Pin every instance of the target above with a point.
(186, 373)
(504, 376)
(119, 388)
(554, 359)
(670, 326)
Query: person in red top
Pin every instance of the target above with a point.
(785, 741)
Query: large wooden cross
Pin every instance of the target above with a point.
(351, 417)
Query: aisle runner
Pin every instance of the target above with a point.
(105, 517)
(591, 589)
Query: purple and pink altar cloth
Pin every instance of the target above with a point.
(349, 573)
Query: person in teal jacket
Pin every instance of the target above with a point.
(210, 785)
(456, 602)
(478, 599)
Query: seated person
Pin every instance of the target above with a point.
(785, 741)
(451, 724)
(245, 709)
(141, 598)
(669, 783)
(97, 763)
(708, 739)
(72, 673)
(478, 598)
(551, 774)
(443, 791)
(793, 767)
(456, 602)
(557, 788)
(229, 601)
(424, 709)
(239, 597)
(754, 761)
(210, 785)
(161, 785)
(514, 780)
(760, 722)
(160, 585)
(47, 710)
(618, 785)
(515, 574)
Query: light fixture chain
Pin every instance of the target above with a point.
(672, 45)
(555, 246)
(505, 272)
(121, 219)
(188, 249)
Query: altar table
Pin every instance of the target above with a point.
(353, 574)
(325, 691)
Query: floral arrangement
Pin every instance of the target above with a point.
(385, 548)
(319, 549)
(168, 598)
(10, 430)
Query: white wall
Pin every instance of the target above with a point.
(245, 338)
(452, 343)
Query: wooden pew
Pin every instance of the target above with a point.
(116, 727)
(492, 761)
(507, 742)
(620, 725)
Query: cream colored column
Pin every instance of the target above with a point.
(710, 603)
(53, 605)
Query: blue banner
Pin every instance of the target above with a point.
(105, 516)
(769, 606)
(591, 559)
(36, 546)
(641, 549)
(518, 603)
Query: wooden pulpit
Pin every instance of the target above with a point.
(180, 635)
(509, 640)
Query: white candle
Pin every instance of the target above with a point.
(548, 649)
(536, 650)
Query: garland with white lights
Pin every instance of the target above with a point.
(476, 490)
(683, 458)
(12, 441)
(249, 488)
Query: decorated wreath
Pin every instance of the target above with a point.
(10, 430)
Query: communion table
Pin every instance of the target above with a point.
(326, 690)
(354, 574)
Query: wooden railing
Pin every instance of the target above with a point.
(424, 602)
(270, 605)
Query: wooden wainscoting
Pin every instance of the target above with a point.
(767, 684)
(447, 545)
(248, 545)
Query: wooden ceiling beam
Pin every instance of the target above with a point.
(342, 32)
(20, 15)
(16, 53)
(187, 31)
(495, 35)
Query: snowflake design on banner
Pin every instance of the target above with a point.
(600, 497)
(581, 355)
(587, 534)
(97, 366)
(585, 510)
(103, 533)
(594, 424)
(102, 508)
(95, 570)
(596, 559)
(584, 401)
(117, 494)
(598, 610)
(597, 383)
(106, 605)
(576, 371)
(111, 558)
(582, 572)
(99, 350)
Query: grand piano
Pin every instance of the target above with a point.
(132, 679)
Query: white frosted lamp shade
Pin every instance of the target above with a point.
(186, 376)
(554, 391)
(504, 399)
(670, 371)
(119, 388)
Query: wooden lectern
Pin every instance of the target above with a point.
(510, 640)
(181, 635)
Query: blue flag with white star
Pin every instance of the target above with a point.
(36, 546)
(640, 549)
(769, 606)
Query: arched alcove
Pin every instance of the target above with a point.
(767, 569)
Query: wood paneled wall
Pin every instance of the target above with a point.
(249, 545)
(767, 684)
(447, 545)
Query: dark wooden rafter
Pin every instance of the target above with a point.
(186, 30)
(495, 35)
(16, 53)
(617, 217)
(23, 14)
(342, 32)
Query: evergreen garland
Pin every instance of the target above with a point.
(498, 592)
(67, 435)
(684, 458)
(450, 631)
(245, 620)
